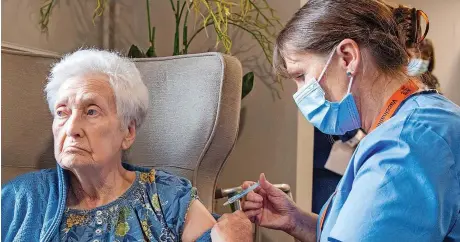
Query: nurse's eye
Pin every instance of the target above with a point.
(299, 78)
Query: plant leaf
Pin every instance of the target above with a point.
(248, 84)
(100, 8)
(135, 52)
(45, 13)
(151, 52)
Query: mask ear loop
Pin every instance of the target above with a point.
(351, 81)
(327, 64)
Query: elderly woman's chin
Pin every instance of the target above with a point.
(75, 160)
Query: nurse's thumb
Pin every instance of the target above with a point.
(267, 186)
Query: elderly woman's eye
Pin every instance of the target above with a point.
(91, 112)
(60, 113)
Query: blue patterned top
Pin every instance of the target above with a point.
(152, 209)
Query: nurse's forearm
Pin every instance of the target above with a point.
(305, 226)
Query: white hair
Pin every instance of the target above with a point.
(131, 94)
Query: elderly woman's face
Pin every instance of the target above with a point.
(87, 130)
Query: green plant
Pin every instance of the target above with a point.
(255, 17)
(248, 83)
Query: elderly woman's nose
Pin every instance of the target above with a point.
(74, 126)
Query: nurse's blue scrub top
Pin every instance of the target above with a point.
(403, 181)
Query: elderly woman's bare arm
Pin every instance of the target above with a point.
(198, 221)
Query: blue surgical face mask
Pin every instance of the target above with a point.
(417, 67)
(334, 118)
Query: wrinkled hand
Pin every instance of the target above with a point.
(270, 207)
(234, 227)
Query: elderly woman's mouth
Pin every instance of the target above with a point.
(74, 149)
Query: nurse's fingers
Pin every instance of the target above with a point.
(248, 205)
(253, 213)
(254, 197)
(247, 184)
(267, 187)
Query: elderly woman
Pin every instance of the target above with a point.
(98, 101)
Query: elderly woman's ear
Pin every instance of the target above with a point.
(130, 135)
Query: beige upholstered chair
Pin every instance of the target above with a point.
(190, 130)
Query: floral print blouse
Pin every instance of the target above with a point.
(154, 208)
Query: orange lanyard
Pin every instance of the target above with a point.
(387, 112)
(394, 102)
(323, 216)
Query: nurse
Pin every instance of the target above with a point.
(349, 60)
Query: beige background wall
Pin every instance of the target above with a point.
(70, 26)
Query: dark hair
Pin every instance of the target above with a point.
(427, 53)
(320, 25)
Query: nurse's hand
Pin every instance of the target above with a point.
(270, 207)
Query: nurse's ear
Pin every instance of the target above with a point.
(349, 55)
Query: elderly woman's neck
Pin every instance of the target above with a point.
(372, 96)
(94, 187)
